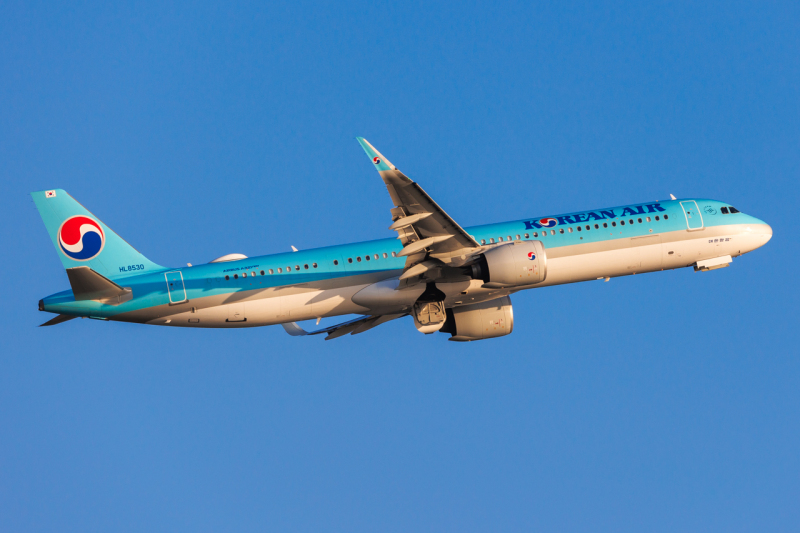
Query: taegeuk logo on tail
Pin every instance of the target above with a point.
(81, 238)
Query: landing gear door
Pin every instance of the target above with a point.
(175, 288)
(694, 220)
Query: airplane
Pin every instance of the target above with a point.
(448, 278)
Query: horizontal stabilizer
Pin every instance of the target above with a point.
(57, 320)
(89, 285)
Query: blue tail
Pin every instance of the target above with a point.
(81, 239)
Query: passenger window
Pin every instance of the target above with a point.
(648, 219)
(561, 230)
(280, 270)
(227, 278)
(376, 256)
(244, 274)
(394, 254)
(384, 255)
(621, 223)
(253, 274)
(288, 269)
(527, 236)
(236, 276)
(510, 239)
(724, 210)
(605, 224)
(262, 272)
(733, 210)
(588, 227)
(517, 237)
(640, 220)
(579, 228)
(358, 259)
(657, 219)
(314, 265)
(367, 257)
(569, 230)
(297, 267)
(305, 266)
(349, 259)
(491, 241)
(499, 239)
(483, 241)
(552, 232)
(335, 262)
(613, 224)
(630, 222)
(271, 271)
(666, 217)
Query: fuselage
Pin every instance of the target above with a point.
(324, 282)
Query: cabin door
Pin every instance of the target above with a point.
(694, 220)
(175, 288)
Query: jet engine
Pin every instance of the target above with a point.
(513, 264)
(485, 320)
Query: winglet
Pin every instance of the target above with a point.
(380, 162)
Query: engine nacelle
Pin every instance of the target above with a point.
(511, 265)
(485, 320)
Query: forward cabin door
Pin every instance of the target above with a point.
(694, 220)
(175, 288)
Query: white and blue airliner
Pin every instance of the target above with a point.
(447, 278)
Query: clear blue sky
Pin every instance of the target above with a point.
(662, 402)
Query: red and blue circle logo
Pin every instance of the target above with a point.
(532, 256)
(81, 238)
(376, 160)
(548, 222)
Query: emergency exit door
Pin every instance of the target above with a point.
(694, 220)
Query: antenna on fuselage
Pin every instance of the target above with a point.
(672, 196)
(294, 249)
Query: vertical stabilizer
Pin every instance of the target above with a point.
(81, 239)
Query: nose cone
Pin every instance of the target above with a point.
(766, 232)
(757, 235)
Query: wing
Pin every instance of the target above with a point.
(422, 226)
(353, 327)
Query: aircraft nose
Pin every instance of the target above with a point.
(767, 232)
(758, 234)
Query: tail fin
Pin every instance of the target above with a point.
(81, 239)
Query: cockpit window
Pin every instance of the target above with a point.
(733, 209)
(724, 210)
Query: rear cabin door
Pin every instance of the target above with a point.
(694, 220)
(175, 288)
